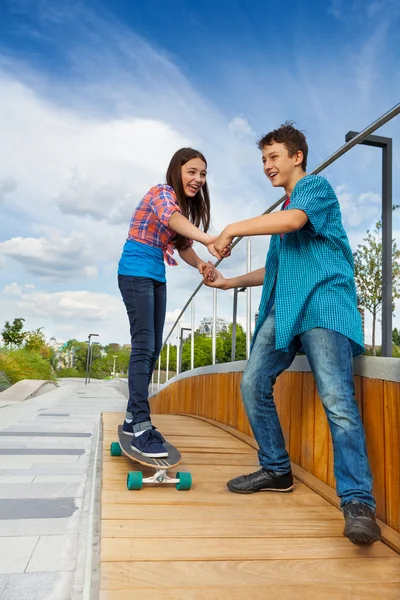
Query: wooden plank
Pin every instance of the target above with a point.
(392, 452)
(155, 495)
(273, 525)
(130, 575)
(210, 458)
(307, 422)
(296, 391)
(160, 512)
(240, 549)
(374, 425)
(370, 591)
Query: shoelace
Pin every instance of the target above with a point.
(154, 436)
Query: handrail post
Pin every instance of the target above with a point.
(192, 338)
(248, 300)
(214, 329)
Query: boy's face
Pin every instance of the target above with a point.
(279, 167)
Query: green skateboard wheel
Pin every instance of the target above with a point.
(134, 480)
(115, 449)
(185, 481)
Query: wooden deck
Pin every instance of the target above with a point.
(208, 543)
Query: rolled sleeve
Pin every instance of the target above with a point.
(163, 204)
(313, 196)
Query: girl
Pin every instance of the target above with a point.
(167, 217)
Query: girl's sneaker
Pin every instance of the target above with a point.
(127, 428)
(150, 444)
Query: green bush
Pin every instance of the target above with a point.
(4, 381)
(70, 373)
(24, 364)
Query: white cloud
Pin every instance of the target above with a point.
(240, 127)
(12, 290)
(57, 258)
(358, 209)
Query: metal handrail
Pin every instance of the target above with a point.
(388, 116)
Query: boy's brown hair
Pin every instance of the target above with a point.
(292, 138)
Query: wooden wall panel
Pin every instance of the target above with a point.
(392, 453)
(217, 396)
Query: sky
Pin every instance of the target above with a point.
(96, 96)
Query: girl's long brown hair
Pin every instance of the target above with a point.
(196, 209)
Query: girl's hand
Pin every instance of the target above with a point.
(206, 266)
(209, 243)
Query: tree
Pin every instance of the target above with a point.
(36, 341)
(396, 336)
(12, 334)
(368, 274)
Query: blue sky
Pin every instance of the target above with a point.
(97, 95)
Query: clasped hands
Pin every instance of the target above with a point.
(220, 247)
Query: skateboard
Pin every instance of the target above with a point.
(135, 479)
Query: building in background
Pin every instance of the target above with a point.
(206, 326)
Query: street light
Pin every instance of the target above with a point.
(385, 143)
(88, 356)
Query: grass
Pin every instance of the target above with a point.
(23, 364)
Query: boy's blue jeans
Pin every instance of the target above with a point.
(330, 357)
(145, 300)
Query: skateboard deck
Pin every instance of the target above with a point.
(135, 480)
(174, 456)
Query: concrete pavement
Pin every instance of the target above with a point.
(48, 479)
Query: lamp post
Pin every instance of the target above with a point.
(385, 143)
(88, 357)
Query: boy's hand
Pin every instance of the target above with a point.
(213, 278)
(223, 242)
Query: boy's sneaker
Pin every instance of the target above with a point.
(261, 481)
(150, 444)
(127, 428)
(360, 525)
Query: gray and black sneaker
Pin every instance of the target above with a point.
(262, 481)
(360, 525)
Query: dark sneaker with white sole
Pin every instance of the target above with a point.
(127, 428)
(360, 525)
(150, 444)
(261, 481)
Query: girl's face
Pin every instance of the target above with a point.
(194, 174)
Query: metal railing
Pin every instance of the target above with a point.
(386, 242)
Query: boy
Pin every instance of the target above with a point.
(308, 303)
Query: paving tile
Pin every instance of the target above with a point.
(41, 490)
(3, 582)
(39, 433)
(35, 451)
(16, 479)
(39, 527)
(45, 469)
(30, 586)
(22, 508)
(58, 478)
(54, 553)
(15, 553)
(26, 462)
